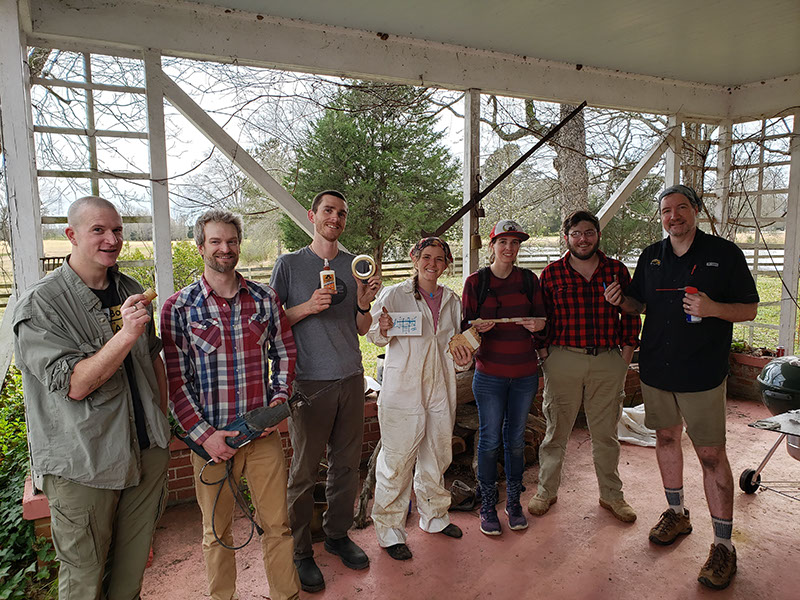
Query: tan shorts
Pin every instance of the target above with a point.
(703, 412)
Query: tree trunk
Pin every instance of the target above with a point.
(570, 164)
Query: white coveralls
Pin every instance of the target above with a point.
(416, 412)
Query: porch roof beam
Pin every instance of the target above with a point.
(206, 32)
(231, 149)
(634, 178)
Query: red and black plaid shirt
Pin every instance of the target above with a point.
(578, 314)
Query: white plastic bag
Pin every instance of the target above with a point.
(631, 428)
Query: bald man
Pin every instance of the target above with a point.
(95, 401)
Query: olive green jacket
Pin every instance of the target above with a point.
(57, 323)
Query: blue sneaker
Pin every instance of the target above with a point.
(490, 524)
(516, 520)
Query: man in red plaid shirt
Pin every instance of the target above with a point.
(220, 334)
(585, 356)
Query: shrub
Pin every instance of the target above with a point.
(19, 547)
(187, 265)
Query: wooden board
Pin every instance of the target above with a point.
(504, 320)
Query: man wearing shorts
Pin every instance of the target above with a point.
(683, 362)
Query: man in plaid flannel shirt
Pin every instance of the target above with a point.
(588, 347)
(220, 333)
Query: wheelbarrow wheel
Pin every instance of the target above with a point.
(748, 483)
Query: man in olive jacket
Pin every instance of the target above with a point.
(95, 402)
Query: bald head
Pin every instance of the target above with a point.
(77, 208)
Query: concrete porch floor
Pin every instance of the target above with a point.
(576, 551)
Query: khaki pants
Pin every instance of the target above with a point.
(334, 420)
(597, 381)
(262, 463)
(101, 533)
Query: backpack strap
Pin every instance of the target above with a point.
(483, 288)
(527, 283)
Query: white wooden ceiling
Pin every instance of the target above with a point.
(733, 59)
(723, 42)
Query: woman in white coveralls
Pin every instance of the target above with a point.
(417, 403)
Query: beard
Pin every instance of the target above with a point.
(213, 264)
(327, 233)
(584, 253)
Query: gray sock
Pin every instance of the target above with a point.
(723, 528)
(675, 499)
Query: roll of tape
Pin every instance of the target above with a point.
(359, 274)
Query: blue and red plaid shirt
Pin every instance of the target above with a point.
(217, 354)
(578, 314)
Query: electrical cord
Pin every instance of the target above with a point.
(237, 493)
(238, 498)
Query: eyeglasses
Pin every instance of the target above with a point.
(588, 234)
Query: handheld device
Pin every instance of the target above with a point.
(252, 424)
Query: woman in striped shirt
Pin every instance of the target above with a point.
(506, 378)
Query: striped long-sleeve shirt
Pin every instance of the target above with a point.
(578, 313)
(218, 353)
(507, 349)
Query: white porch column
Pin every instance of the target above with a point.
(723, 184)
(20, 154)
(791, 249)
(672, 174)
(471, 178)
(673, 167)
(159, 188)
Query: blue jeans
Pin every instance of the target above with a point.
(503, 407)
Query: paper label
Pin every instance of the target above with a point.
(327, 279)
(406, 323)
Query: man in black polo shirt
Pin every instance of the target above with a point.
(694, 286)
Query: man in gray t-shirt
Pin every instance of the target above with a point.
(326, 326)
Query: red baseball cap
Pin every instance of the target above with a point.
(508, 227)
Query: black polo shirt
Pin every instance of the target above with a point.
(675, 355)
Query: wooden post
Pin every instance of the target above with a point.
(19, 151)
(90, 123)
(673, 167)
(471, 178)
(723, 185)
(791, 252)
(632, 181)
(672, 175)
(230, 148)
(159, 188)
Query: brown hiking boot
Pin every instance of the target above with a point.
(670, 526)
(538, 505)
(620, 509)
(720, 567)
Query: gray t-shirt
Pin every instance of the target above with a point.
(327, 343)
